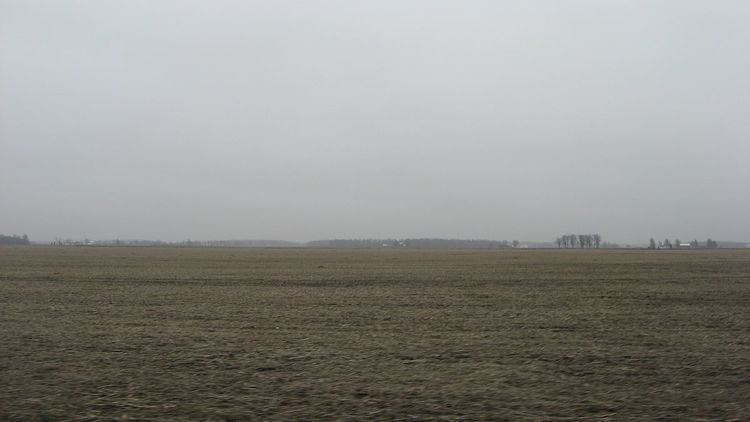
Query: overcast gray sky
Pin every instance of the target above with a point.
(303, 120)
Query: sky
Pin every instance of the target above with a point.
(302, 120)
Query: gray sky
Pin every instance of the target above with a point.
(303, 120)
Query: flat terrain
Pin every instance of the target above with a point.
(238, 334)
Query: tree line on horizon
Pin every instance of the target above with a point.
(423, 243)
(14, 240)
(567, 241)
(694, 244)
(420, 243)
(580, 240)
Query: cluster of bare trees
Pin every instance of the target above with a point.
(579, 240)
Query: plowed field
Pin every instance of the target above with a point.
(284, 334)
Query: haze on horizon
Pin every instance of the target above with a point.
(333, 119)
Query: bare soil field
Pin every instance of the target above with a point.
(287, 334)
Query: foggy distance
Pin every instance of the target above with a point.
(321, 120)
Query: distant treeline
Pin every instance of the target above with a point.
(565, 241)
(410, 243)
(239, 244)
(333, 243)
(14, 240)
(694, 244)
(185, 243)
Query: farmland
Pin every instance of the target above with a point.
(237, 334)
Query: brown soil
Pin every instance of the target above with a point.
(263, 334)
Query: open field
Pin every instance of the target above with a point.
(237, 334)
